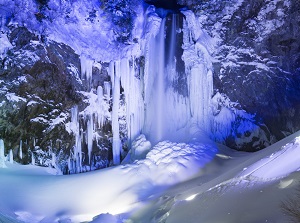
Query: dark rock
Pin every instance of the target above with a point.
(39, 86)
(258, 64)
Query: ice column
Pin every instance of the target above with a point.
(21, 150)
(90, 132)
(77, 154)
(32, 159)
(101, 110)
(107, 88)
(133, 96)
(115, 70)
(11, 156)
(2, 157)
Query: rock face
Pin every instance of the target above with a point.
(38, 87)
(257, 63)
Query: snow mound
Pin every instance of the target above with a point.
(139, 149)
(30, 197)
(168, 162)
(278, 164)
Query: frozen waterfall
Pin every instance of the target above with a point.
(164, 91)
(174, 99)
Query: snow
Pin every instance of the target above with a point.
(114, 190)
(204, 177)
(14, 98)
(228, 190)
(61, 118)
(4, 46)
(268, 167)
(140, 147)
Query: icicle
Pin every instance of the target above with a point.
(90, 137)
(115, 112)
(107, 89)
(2, 157)
(32, 159)
(86, 68)
(21, 150)
(53, 160)
(11, 156)
(70, 168)
(100, 112)
(77, 150)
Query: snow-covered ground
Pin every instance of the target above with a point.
(176, 182)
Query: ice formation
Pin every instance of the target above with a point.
(161, 101)
(32, 159)
(2, 157)
(11, 156)
(133, 90)
(115, 69)
(21, 150)
(86, 69)
(169, 111)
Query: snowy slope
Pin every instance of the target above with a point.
(234, 187)
(136, 191)
(34, 197)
